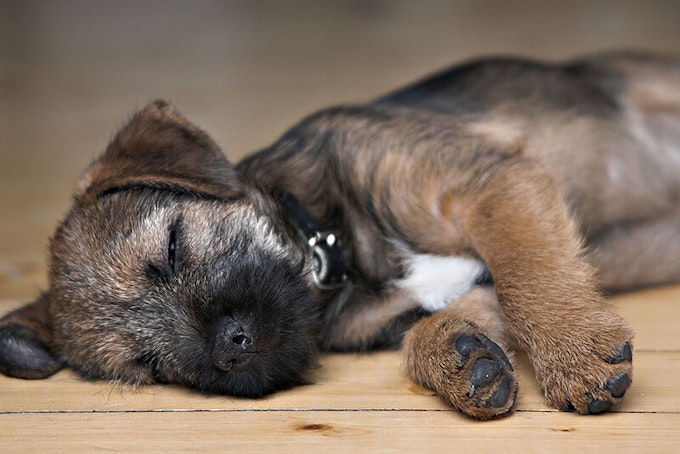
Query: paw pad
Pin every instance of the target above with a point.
(617, 386)
(466, 344)
(484, 371)
(501, 395)
(491, 379)
(622, 355)
(603, 396)
(598, 406)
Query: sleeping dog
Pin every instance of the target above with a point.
(475, 212)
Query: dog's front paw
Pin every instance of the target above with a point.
(593, 386)
(462, 365)
(486, 386)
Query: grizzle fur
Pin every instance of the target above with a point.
(175, 266)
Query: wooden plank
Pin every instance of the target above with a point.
(655, 316)
(337, 431)
(364, 382)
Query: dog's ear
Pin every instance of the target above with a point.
(160, 148)
(26, 342)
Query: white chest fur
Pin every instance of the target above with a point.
(435, 281)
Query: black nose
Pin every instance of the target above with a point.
(233, 345)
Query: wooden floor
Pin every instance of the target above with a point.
(72, 71)
(358, 403)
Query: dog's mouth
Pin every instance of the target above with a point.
(251, 374)
(236, 363)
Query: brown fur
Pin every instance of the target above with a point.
(559, 179)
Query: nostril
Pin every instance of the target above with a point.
(242, 340)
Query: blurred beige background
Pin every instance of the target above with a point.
(72, 71)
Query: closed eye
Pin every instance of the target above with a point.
(172, 248)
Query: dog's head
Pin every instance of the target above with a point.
(169, 268)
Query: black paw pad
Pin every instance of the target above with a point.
(617, 386)
(491, 379)
(496, 350)
(598, 406)
(484, 372)
(466, 344)
(502, 394)
(623, 355)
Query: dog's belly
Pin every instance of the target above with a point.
(436, 281)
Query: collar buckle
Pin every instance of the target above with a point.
(328, 260)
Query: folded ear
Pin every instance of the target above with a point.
(160, 148)
(26, 342)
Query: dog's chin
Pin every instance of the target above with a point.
(261, 377)
(253, 384)
(286, 361)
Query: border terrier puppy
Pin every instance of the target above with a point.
(475, 212)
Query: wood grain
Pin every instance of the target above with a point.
(340, 431)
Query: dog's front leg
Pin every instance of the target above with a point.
(579, 347)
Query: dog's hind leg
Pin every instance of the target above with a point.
(639, 254)
(460, 353)
(359, 319)
(645, 252)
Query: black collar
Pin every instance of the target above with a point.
(323, 244)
